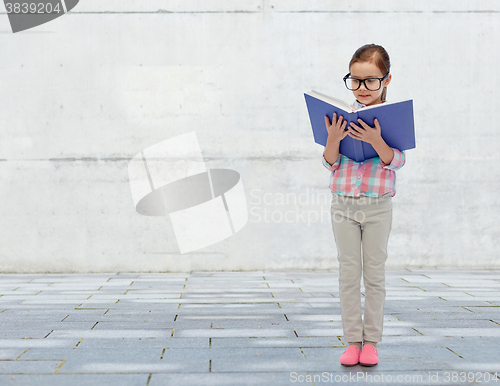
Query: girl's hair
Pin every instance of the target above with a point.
(376, 54)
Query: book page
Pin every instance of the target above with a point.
(331, 100)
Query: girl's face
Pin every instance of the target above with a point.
(365, 70)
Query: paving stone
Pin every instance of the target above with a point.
(233, 332)
(133, 354)
(445, 331)
(167, 343)
(132, 367)
(276, 342)
(11, 353)
(29, 343)
(109, 334)
(103, 325)
(74, 379)
(221, 379)
(24, 333)
(227, 328)
(28, 367)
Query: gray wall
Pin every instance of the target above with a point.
(83, 94)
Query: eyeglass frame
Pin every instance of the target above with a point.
(362, 81)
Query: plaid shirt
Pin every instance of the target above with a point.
(371, 178)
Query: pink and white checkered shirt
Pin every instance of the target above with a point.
(371, 178)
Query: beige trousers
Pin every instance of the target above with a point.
(361, 227)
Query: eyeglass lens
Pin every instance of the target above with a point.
(372, 84)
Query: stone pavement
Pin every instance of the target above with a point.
(442, 327)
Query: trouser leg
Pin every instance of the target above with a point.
(374, 237)
(347, 233)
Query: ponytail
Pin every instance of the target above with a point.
(384, 94)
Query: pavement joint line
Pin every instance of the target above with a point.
(454, 352)
(209, 365)
(209, 342)
(312, 383)
(24, 352)
(396, 317)
(302, 351)
(272, 295)
(286, 318)
(295, 332)
(493, 321)
(64, 318)
(417, 331)
(107, 311)
(442, 298)
(58, 367)
(172, 334)
(149, 379)
(48, 334)
(80, 341)
(94, 325)
(162, 353)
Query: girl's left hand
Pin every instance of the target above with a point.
(365, 133)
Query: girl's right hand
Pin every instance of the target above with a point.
(336, 130)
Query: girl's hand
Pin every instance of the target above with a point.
(365, 133)
(336, 130)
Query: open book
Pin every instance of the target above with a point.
(395, 118)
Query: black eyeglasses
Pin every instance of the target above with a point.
(371, 84)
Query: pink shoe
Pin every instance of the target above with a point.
(369, 356)
(350, 357)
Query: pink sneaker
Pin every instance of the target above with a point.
(369, 356)
(350, 357)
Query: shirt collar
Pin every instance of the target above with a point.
(356, 105)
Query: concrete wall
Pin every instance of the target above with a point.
(83, 94)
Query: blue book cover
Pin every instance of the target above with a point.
(395, 118)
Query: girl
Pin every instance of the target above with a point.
(362, 207)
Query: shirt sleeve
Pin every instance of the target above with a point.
(332, 167)
(397, 162)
